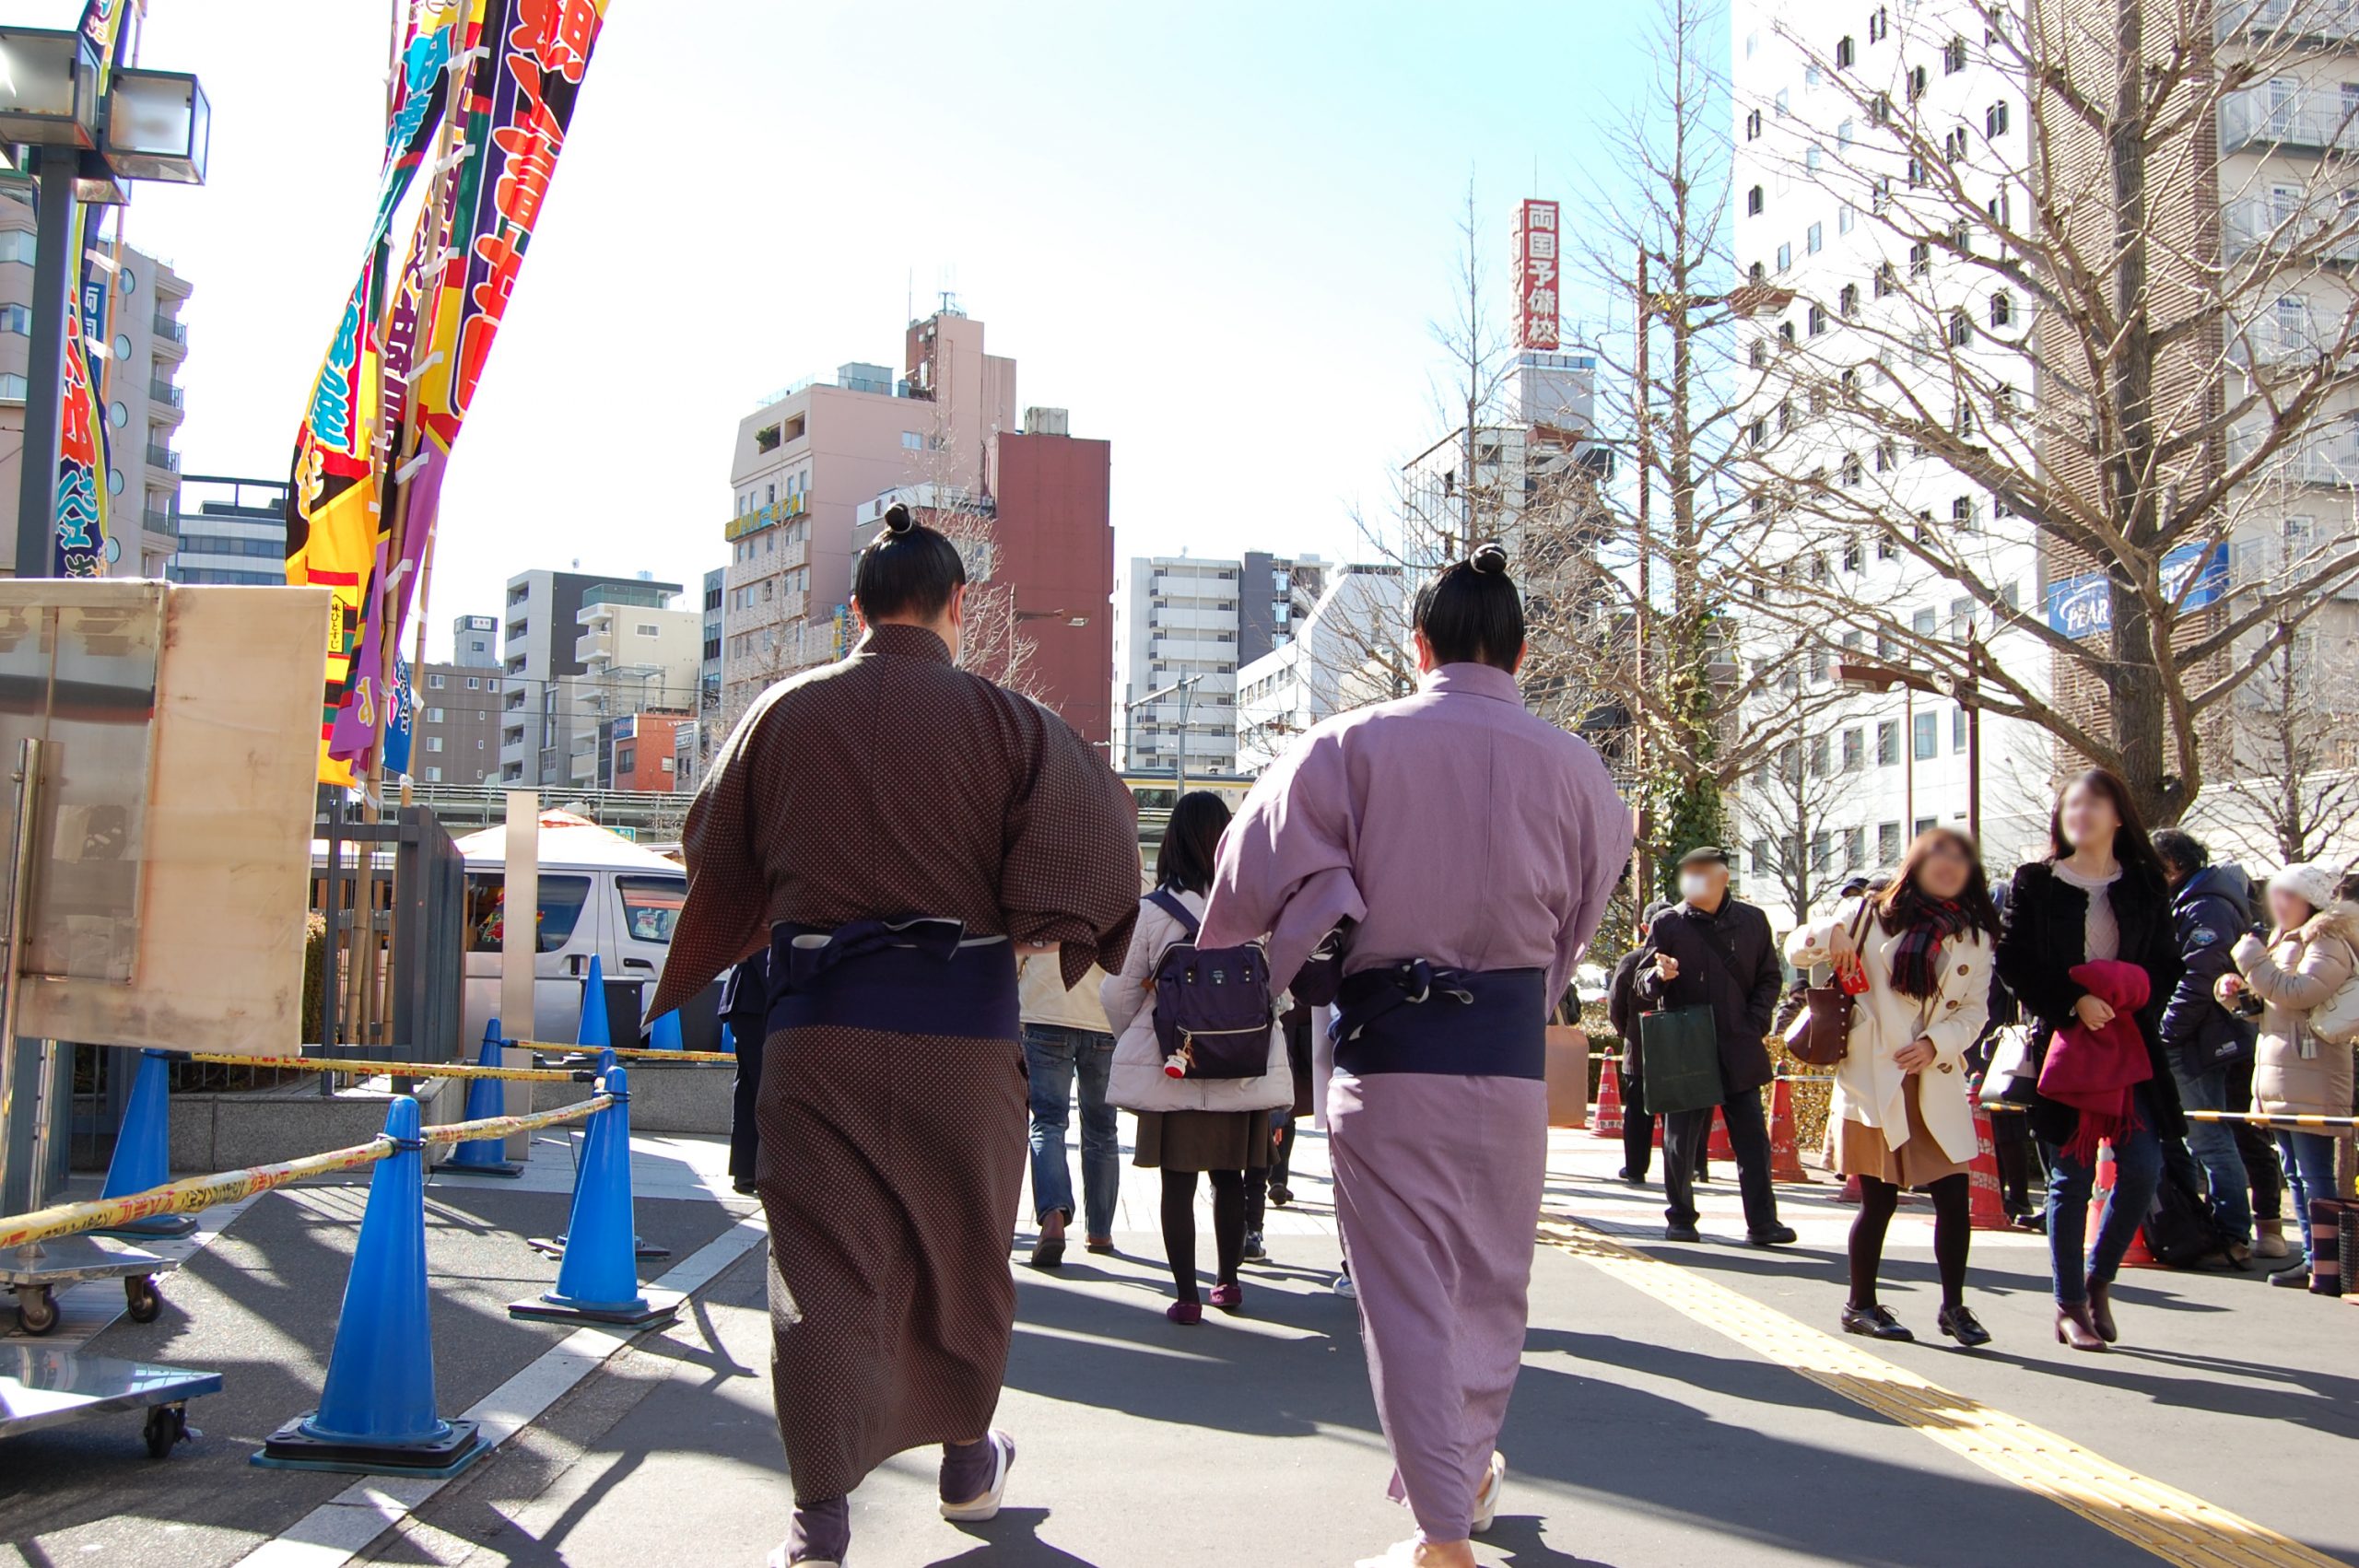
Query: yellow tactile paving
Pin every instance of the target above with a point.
(2175, 1526)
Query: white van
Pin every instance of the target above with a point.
(600, 893)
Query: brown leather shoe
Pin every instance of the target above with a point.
(2101, 1311)
(2073, 1327)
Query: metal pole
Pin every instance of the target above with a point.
(53, 270)
(1970, 693)
(1179, 768)
(12, 953)
(1908, 757)
(1641, 861)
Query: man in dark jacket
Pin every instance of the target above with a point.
(2211, 1049)
(1712, 949)
(1622, 1009)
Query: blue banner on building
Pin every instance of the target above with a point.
(2082, 606)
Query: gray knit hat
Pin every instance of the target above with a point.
(2311, 882)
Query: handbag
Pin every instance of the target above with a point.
(1682, 1045)
(1821, 1033)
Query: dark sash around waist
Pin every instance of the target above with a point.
(915, 976)
(1412, 1017)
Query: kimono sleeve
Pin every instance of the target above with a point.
(1284, 869)
(1070, 873)
(727, 918)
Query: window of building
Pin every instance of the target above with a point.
(1755, 201)
(1753, 126)
(1880, 110)
(1752, 43)
(1961, 330)
(1783, 102)
(1845, 218)
(17, 245)
(912, 441)
(1822, 852)
(1917, 80)
(1756, 274)
(1994, 120)
(1855, 850)
(1785, 256)
(1958, 729)
(1817, 320)
(475, 683)
(1962, 513)
(1888, 746)
(1810, 156)
(1879, 25)
(1821, 763)
(644, 628)
(1962, 238)
(1848, 301)
(434, 743)
(434, 716)
(1811, 75)
(1852, 561)
(1756, 354)
(1887, 843)
(1815, 238)
(1843, 53)
(1954, 145)
(1888, 281)
(2002, 308)
(434, 682)
(15, 319)
(1925, 739)
(1921, 259)
(1852, 472)
(1953, 57)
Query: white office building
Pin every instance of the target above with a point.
(1344, 655)
(1183, 625)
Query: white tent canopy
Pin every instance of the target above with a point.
(569, 840)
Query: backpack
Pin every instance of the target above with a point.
(1212, 1007)
(2180, 1231)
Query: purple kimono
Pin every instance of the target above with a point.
(1455, 829)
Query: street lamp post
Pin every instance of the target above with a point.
(87, 131)
(1185, 686)
(1965, 690)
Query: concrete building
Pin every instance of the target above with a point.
(1477, 486)
(139, 392)
(455, 737)
(638, 655)
(642, 751)
(232, 531)
(1873, 769)
(1184, 615)
(541, 633)
(1328, 664)
(810, 456)
(474, 642)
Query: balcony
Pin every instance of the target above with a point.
(163, 457)
(159, 521)
(2325, 457)
(172, 337)
(2280, 22)
(2313, 123)
(2304, 239)
(162, 392)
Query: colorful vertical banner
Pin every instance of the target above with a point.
(81, 495)
(524, 62)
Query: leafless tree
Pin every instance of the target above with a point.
(2098, 329)
(2293, 784)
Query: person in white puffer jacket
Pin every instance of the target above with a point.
(1218, 1126)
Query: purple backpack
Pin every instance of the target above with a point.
(1213, 1008)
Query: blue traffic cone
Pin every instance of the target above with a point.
(485, 1157)
(663, 1035)
(593, 1029)
(555, 1246)
(597, 1277)
(728, 1039)
(376, 1413)
(143, 1151)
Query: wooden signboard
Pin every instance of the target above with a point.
(182, 727)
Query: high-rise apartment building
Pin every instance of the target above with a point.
(809, 457)
(474, 642)
(1342, 655)
(232, 531)
(1474, 485)
(1198, 620)
(454, 738)
(139, 394)
(541, 634)
(1850, 296)
(637, 656)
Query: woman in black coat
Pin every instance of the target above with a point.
(2099, 894)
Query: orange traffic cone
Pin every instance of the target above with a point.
(1785, 1154)
(1607, 1122)
(1988, 1209)
(1719, 1147)
(2138, 1257)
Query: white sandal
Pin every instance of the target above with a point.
(1487, 1501)
(986, 1507)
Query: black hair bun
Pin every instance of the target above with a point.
(898, 519)
(1490, 559)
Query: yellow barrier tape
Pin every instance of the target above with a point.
(186, 1197)
(547, 1047)
(392, 1069)
(2175, 1526)
(2266, 1118)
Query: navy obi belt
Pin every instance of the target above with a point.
(1413, 1017)
(920, 975)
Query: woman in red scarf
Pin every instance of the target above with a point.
(2097, 903)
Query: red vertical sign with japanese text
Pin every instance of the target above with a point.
(1536, 272)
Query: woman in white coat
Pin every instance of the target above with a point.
(1923, 948)
(1218, 1126)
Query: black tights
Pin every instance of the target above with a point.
(1179, 1227)
(1951, 1228)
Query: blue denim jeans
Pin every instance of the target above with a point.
(2309, 1164)
(1056, 1057)
(2138, 1172)
(2214, 1144)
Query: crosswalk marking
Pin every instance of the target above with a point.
(2175, 1526)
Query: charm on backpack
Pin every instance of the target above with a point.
(1214, 1010)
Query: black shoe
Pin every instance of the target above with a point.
(1876, 1323)
(2035, 1222)
(2291, 1279)
(1780, 1235)
(1281, 1194)
(1048, 1252)
(1960, 1324)
(1254, 1251)
(1630, 1180)
(1680, 1233)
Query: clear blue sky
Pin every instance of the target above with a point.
(1216, 234)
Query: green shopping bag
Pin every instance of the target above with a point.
(1682, 1048)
